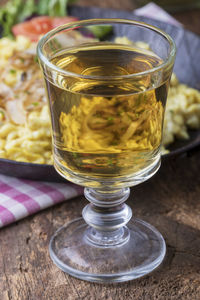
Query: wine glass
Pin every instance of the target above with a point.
(107, 98)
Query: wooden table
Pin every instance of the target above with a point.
(170, 201)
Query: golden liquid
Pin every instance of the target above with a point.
(106, 128)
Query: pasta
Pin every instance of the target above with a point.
(29, 143)
(121, 129)
(182, 112)
(25, 129)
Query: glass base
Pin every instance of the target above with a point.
(139, 250)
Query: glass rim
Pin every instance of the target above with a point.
(72, 25)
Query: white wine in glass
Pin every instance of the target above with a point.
(107, 102)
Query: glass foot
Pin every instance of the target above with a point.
(141, 249)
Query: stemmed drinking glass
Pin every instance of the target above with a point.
(107, 100)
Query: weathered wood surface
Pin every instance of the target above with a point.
(170, 201)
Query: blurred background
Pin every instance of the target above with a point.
(169, 5)
(185, 11)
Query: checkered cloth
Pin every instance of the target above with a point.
(20, 198)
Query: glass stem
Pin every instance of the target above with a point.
(107, 215)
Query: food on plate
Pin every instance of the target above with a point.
(182, 111)
(25, 130)
(25, 133)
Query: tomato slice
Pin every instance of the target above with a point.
(38, 26)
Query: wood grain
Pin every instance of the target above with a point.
(170, 201)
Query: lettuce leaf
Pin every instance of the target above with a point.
(100, 31)
(16, 11)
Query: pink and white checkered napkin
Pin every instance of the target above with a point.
(20, 198)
